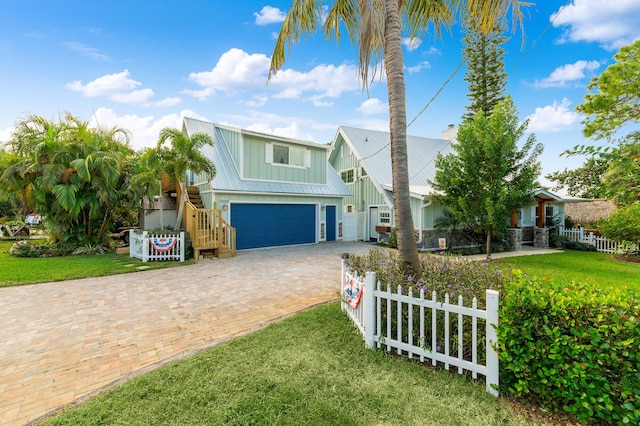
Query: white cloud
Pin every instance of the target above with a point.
(106, 85)
(553, 118)
(257, 101)
(565, 74)
(269, 15)
(324, 80)
(612, 23)
(167, 102)
(411, 43)
(373, 106)
(235, 71)
(418, 67)
(121, 88)
(86, 51)
(5, 134)
(145, 130)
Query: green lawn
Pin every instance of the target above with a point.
(571, 265)
(23, 270)
(310, 369)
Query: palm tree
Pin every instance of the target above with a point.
(184, 154)
(78, 175)
(376, 26)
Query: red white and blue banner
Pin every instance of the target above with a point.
(163, 244)
(352, 289)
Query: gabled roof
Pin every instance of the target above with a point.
(542, 194)
(373, 150)
(228, 178)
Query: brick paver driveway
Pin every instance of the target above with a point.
(63, 342)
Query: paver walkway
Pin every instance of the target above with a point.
(64, 342)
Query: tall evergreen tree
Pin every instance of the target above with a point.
(484, 57)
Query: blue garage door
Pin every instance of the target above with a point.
(267, 225)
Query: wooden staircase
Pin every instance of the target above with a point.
(210, 234)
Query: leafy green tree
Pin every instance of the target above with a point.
(484, 57)
(620, 179)
(616, 98)
(488, 176)
(622, 225)
(585, 181)
(376, 28)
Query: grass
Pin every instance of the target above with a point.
(310, 369)
(23, 270)
(579, 266)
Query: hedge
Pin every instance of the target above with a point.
(572, 348)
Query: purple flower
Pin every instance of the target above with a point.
(484, 265)
(438, 348)
(409, 278)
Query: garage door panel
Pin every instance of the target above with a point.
(267, 225)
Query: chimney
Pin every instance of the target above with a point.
(450, 132)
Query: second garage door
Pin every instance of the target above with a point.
(267, 225)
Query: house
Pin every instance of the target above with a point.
(272, 190)
(363, 159)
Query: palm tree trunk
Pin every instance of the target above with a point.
(394, 67)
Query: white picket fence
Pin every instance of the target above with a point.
(601, 244)
(146, 247)
(362, 300)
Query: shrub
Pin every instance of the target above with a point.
(573, 348)
(444, 274)
(560, 241)
(623, 224)
(26, 248)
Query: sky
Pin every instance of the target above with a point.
(143, 66)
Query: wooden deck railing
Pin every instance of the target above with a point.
(209, 231)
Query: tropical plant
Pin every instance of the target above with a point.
(506, 181)
(376, 28)
(80, 177)
(184, 153)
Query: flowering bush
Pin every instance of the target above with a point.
(443, 274)
(26, 248)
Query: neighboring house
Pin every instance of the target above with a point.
(273, 190)
(546, 211)
(363, 160)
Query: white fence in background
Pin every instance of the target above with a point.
(362, 300)
(146, 247)
(601, 244)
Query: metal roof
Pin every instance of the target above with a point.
(373, 149)
(228, 178)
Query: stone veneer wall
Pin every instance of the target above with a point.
(514, 238)
(541, 238)
(430, 239)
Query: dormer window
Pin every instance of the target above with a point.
(285, 155)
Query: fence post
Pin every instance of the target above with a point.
(131, 243)
(181, 246)
(581, 234)
(342, 270)
(369, 309)
(493, 364)
(145, 246)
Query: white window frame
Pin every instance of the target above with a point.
(348, 208)
(345, 151)
(306, 156)
(353, 175)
